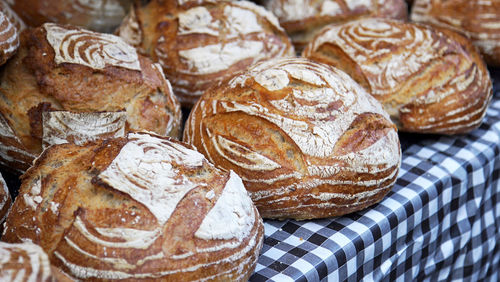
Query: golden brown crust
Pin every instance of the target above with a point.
(201, 45)
(99, 15)
(304, 18)
(306, 139)
(112, 78)
(139, 207)
(430, 80)
(479, 20)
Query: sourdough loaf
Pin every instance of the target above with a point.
(307, 140)
(27, 262)
(97, 15)
(479, 20)
(302, 19)
(10, 27)
(200, 45)
(430, 80)
(141, 207)
(70, 84)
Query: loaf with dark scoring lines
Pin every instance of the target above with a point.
(141, 207)
(200, 45)
(307, 140)
(430, 80)
(71, 84)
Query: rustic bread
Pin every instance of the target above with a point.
(302, 19)
(479, 20)
(72, 84)
(97, 15)
(203, 44)
(430, 80)
(307, 140)
(9, 32)
(137, 207)
(5, 202)
(27, 262)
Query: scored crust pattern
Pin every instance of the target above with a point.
(297, 118)
(24, 262)
(398, 62)
(210, 42)
(171, 221)
(479, 20)
(303, 18)
(9, 34)
(92, 49)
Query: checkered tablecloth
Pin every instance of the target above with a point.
(441, 221)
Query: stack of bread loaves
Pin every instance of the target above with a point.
(137, 207)
(67, 83)
(109, 194)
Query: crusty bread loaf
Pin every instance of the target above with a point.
(139, 207)
(200, 45)
(302, 19)
(72, 84)
(479, 20)
(430, 80)
(307, 140)
(97, 15)
(5, 202)
(9, 33)
(27, 262)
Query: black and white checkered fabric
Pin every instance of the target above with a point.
(440, 222)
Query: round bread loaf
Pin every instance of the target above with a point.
(302, 19)
(137, 207)
(430, 80)
(71, 84)
(479, 20)
(97, 15)
(5, 202)
(203, 44)
(27, 262)
(307, 140)
(9, 32)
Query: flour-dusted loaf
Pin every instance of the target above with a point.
(200, 45)
(307, 140)
(137, 207)
(70, 84)
(97, 15)
(27, 262)
(430, 80)
(479, 20)
(302, 19)
(9, 32)
(5, 202)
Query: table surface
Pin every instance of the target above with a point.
(441, 221)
